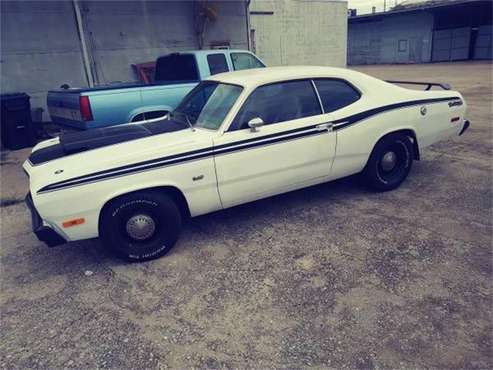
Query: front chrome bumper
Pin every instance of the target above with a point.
(44, 233)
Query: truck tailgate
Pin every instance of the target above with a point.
(64, 108)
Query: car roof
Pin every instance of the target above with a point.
(261, 76)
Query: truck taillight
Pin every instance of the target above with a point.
(85, 108)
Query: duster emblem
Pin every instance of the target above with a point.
(423, 110)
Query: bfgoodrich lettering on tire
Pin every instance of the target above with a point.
(389, 163)
(140, 226)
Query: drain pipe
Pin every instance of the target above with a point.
(82, 37)
(248, 25)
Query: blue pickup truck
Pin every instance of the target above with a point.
(175, 75)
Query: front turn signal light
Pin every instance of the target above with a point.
(70, 223)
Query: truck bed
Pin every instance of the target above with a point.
(116, 86)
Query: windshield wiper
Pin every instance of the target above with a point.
(188, 121)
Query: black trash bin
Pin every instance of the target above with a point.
(15, 121)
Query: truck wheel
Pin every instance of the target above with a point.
(389, 163)
(140, 226)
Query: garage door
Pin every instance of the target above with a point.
(451, 44)
(482, 49)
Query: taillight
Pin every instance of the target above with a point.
(85, 108)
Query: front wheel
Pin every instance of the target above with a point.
(140, 226)
(389, 163)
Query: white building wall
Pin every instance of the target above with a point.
(291, 32)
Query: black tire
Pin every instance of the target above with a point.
(385, 171)
(140, 226)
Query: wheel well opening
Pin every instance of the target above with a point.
(149, 115)
(178, 197)
(412, 135)
(172, 191)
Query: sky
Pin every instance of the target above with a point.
(364, 6)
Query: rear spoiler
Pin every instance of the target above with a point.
(428, 85)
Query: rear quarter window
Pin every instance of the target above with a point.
(176, 67)
(336, 94)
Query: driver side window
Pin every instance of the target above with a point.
(278, 102)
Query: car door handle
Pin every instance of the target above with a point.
(325, 126)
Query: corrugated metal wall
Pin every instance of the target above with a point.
(484, 43)
(397, 39)
(451, 44)
(435, 34)
(41, 49)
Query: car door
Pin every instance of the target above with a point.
(294, 148)
(341, 99)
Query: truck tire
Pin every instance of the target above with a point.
(390, 162)
(140, 226)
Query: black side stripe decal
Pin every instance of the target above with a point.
(344, 122)
(172, 160)
(229, 148)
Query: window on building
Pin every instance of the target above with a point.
(245, 61)
(217, 63)
(336, 94)
(402, 45)
(279, 102)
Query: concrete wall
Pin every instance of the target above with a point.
(310, 32)
(377, 41)
(41, 48)
(124, 32)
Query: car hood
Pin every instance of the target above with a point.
(76, 142)
(105, 149)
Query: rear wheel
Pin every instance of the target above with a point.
(140, 226)
(390, 162)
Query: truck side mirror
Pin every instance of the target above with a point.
(255, 123)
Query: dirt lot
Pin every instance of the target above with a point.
(330, 276)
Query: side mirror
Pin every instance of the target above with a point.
(255, 123)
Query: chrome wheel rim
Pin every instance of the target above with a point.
(388, 162)
(140, 227)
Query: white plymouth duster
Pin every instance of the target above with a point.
(235, 138)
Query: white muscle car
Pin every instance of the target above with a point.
(235, 138)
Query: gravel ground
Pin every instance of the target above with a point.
(330, 276)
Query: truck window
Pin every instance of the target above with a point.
(245, 61)
(176, 67)
(217, 63)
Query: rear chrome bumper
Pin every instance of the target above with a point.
(44, 233)
(465, 127)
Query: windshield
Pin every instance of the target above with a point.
(207, 104)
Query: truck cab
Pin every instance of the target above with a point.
(175, 75)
